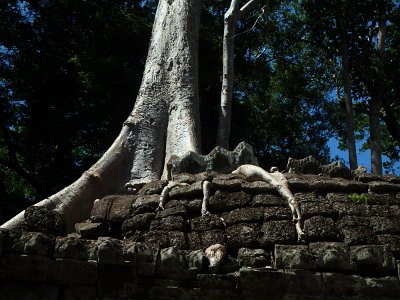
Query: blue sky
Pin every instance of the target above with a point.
(363, 157)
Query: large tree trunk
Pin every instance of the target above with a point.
(228, 55)
(376, 97)
(351, 143)
(164, 121)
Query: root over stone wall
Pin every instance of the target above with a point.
(128, 250)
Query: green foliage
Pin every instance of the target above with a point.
(358, 198)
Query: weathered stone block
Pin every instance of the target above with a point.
(358, 235)
(293, 257)
(348, 208)
(41, 219)
(138, 222)
(312, 209)
(332, 256)
(373, 258)
(336, 285)
(72, 247)
(337, 197)
(179, 210)
(243, 235)
(165, 239)
(304, 183)
(267, 200)
(145, 203)
(352, 221)
(277, 213)
(154, 187)
(171, 264)
(340, 185)
(242, 215)
(382, 225)
(278, 232)
(146, 259)
(207, 222)
(232, 185)
(380, 187)
(197, 261)
(110, 251)
(118, 282)
(258, 187)
(319, 228)
(204, 239)
(391, 241)
(69, 271)
(387, 287)
(222, 201)
(170, 223)
(193, 190)
(35, 243)
(218, 282)
(115, 208)
(382, 199)
(389, 211)
(25, 267)
(90, 230)
(254, 258)
(282, 284)
(193, 206)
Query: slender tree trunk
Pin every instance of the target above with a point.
(351, 143)
(376, 98)
(164, 121)
(228, 55)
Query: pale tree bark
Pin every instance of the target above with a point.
(233, 14)
(376, 97)
(351, 143)
(164, 120)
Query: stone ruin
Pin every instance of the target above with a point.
(129, 250)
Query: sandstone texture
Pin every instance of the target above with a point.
(129, 250)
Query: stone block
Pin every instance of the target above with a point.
(319, 228)
(197, 261)
(254, 258)
(358, 235)
(76, 248)
(154, 187)
(25, 267)
(277, 213)
(73, 272)
(305, 183)
(145, 203)
(179, 210)
(170, 223)
(337, 286)
(171, 264)
(114, 208)
(28, 291)
(389, 211)
(337, 197)
(34, 243)
(312, 209)
(352, 221)
(138, 222)
(340, 185)
(382, 225)
(382, 199)
(231, 185)
(118, 282)
(189, 191)
(222, 201)
(387, 287)
(350, 209)
(242, 215)
(205, 223)
(110, 251)
(278, 232)
(204, 239)
(165, 239)
(381, 187)
(293, 257)
(89, 230)
(391, 241)
(243, 235)
(267, 200)
(256, 187)
(193, 206)
(281, 284)
(373, 259)
(41, 219)
(146, 259)
(332, 256)
(217, 281)
(229, 265)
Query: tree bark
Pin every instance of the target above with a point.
(376, 97)
(228, 55)
(351, 144)
(164, 120)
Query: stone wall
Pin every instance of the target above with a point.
(127, 250)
